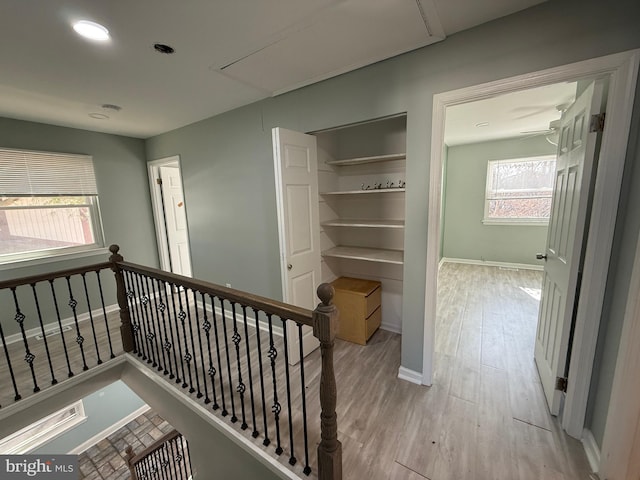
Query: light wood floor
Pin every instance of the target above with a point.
(485, 416)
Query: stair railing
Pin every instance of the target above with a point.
(231, 350)
(53, 326)
(167, 457)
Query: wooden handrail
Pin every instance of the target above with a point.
(135, 458)
(267, 305)
(16, 282)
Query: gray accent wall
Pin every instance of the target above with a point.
(465, 236)
(123, 191)
(103, 409)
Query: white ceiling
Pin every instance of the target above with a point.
(516, 114)
(228, 53)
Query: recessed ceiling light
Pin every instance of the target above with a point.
(99, 116)
(91, 30)
(482, 124)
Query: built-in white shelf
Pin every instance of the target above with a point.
(366, 192)
(373, 159)
(345, 222)
(379, 255)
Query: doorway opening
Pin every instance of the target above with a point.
(620, 70)
(170, 216)
(499, 169)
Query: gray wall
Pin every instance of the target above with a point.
(103, 409)
(465, 236)
(123, 189)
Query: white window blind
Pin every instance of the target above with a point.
(41, 173)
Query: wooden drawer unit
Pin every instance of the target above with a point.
(359, 303)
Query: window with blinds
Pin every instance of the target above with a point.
(48, 204)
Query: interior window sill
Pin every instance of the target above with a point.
(103, 252)
(515, 223)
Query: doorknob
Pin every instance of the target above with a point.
(289, 266)
(540, 256)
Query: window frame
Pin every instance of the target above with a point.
(20, 259)
(519, 221)
(43, 431)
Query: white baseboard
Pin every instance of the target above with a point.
(53, 326)
(108, 431)
(591, 449)
(489, 263)
(391, 327)
(410, 375)
(441, 262)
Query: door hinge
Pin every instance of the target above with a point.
(561, 384)
(597, 122)
(159, 181)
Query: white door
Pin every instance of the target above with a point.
(175, 220)
(295, 162)
(577, 148)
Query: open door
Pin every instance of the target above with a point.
(296, 176)
(170, 215)
(175, 220)
(577, 151)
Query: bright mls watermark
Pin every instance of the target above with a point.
(51, 467)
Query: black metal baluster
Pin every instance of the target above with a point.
(11, 374)
(193, 346)
(186, 442)
(144, 464)
(155, 323)
(144, 299)
(93, 328)
(64, 342)
(28, 356)
(292, 458)
(139, 472)
(215, 332)
(165, 462)
(187, 355)
(264, 403)
(184, 460)
(234, 418)
(158, 465)
(255, 433)
(174, 462)
(79, 338)
(206, 326)
(307, 468)
(104, 315)
(177, 338)
(241, 388)
(276, 407)
(168, 341)
(44, 335)
(134, 305)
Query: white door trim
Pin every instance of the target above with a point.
(623, 416)
(622, 69)
(153, 167)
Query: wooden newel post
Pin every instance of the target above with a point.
(126, 330)
(129, 457)
(325, 328)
